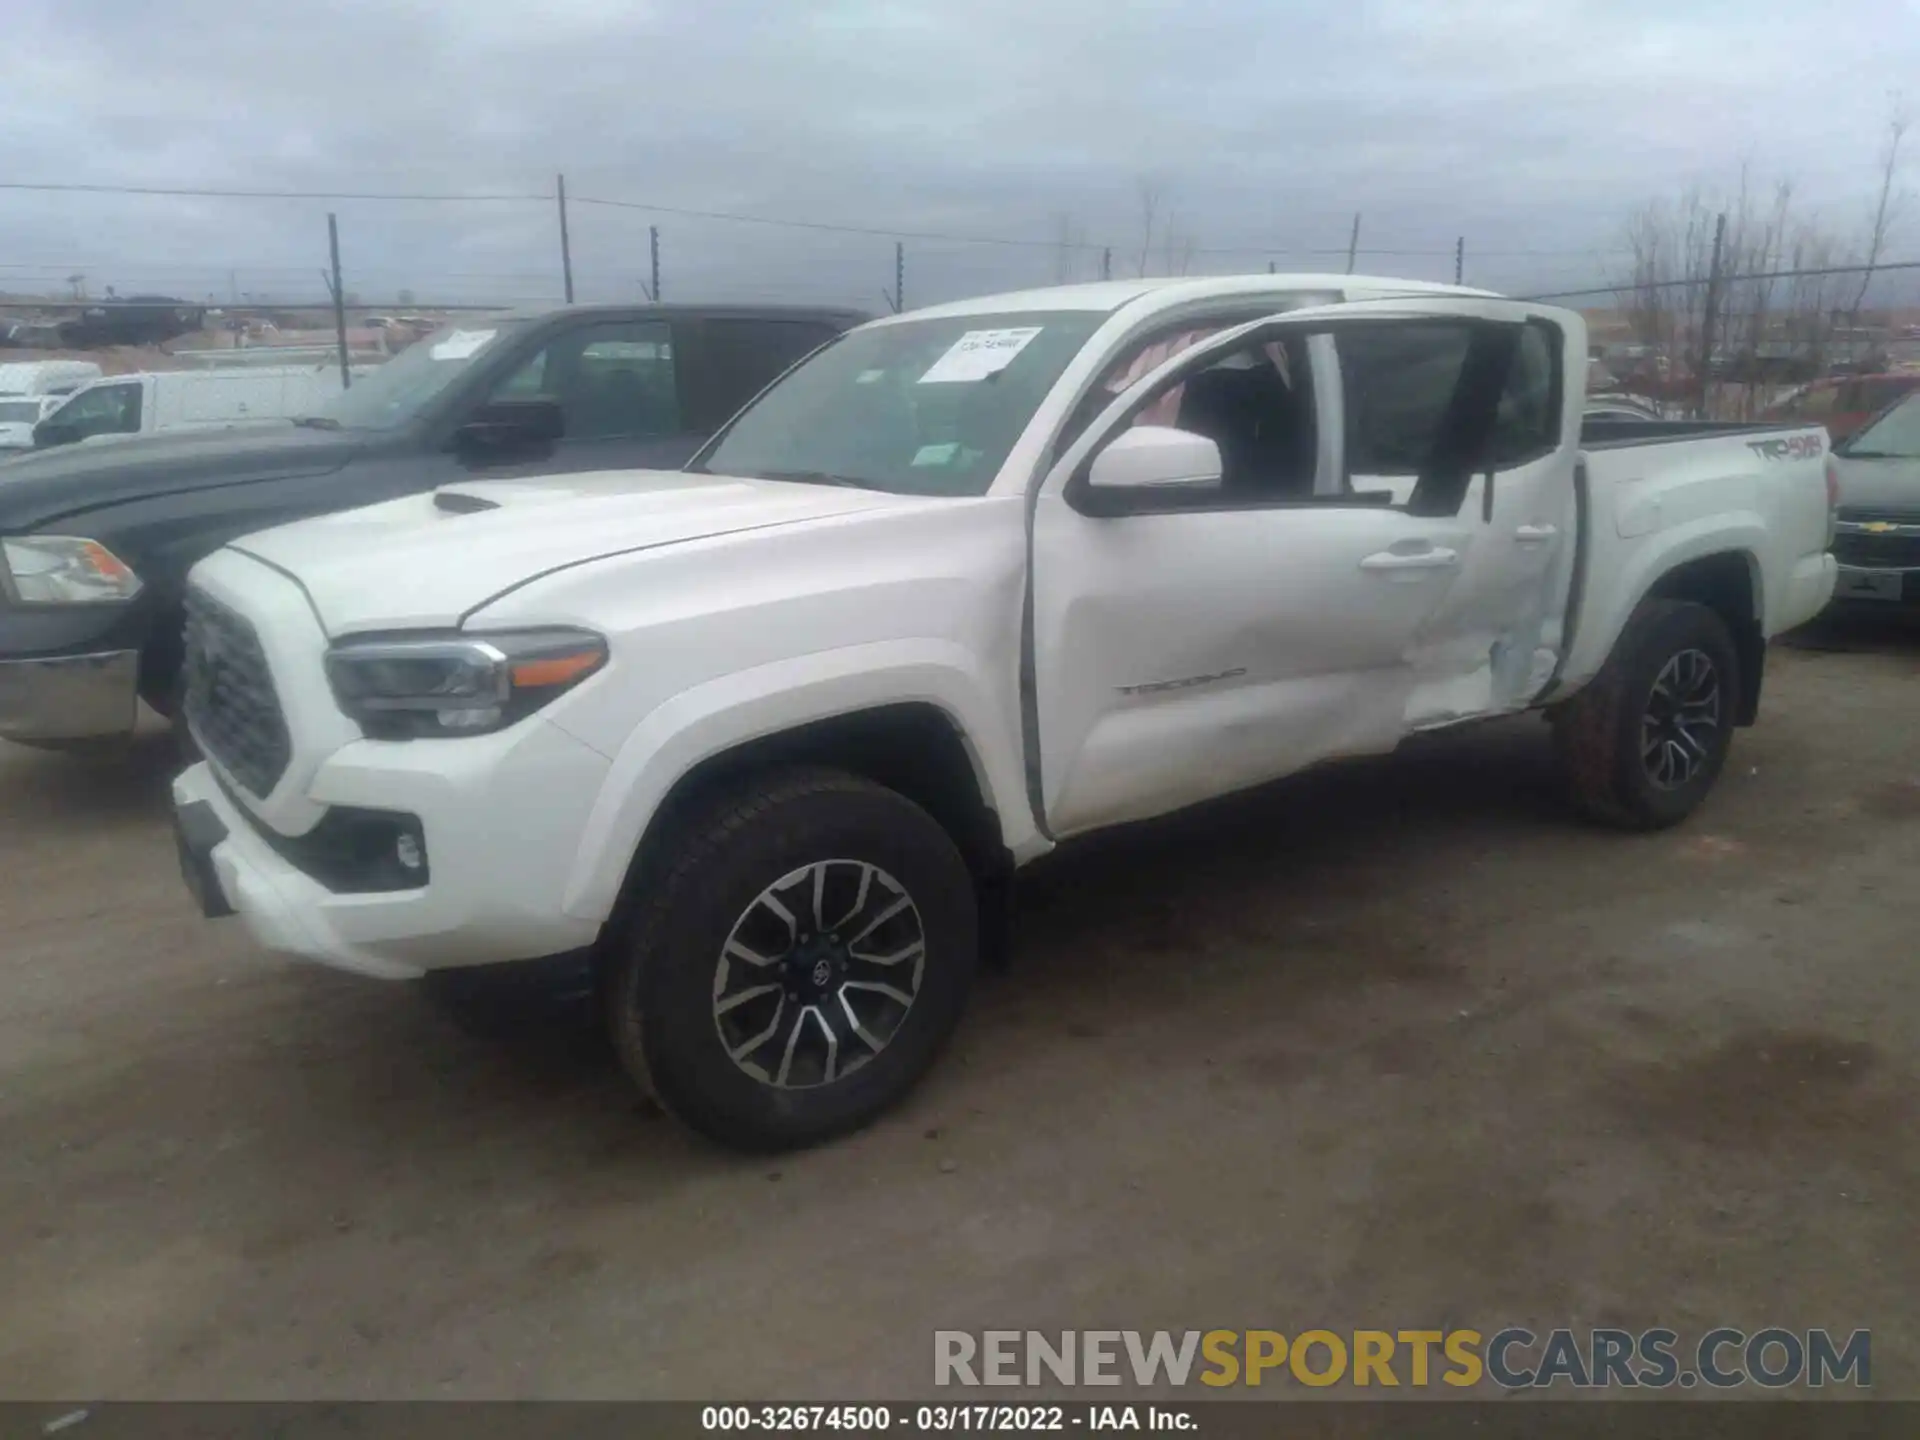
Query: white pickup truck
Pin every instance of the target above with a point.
(768, 737)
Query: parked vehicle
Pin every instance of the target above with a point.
(1877, 532)
(136, 320)
(1842, 403)
(154, 402)
(30, 390)
(768, 738)
(46, 377)
(1618, 407)
(18, 415)
(106, 532)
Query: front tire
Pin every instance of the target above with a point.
(801, 962)
(1645, 741)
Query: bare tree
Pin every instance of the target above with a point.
(1176, 249)
(1889, 203)
(1768, 331)
(1070, 240)
(1150, 198)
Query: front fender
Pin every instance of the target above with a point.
(709, 719)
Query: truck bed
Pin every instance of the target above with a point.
(1619, 434)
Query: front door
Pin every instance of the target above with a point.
(620, 391)
(1189, 642)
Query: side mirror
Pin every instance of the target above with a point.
(1156, 455)
(52, 432)
(510, 427)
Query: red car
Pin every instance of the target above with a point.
(1843, 403)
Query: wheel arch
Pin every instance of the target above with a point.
(1727, 582)
(913, 747)
(1712, 563)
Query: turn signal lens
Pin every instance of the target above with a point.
(64, 570)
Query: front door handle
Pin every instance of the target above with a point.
(1392, 561)
(1534, 534)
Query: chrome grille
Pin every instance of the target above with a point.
(1888, 550)
(231, 701)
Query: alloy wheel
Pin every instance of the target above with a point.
(1682, 719)
(818, 973)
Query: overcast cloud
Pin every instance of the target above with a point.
(1525, 125)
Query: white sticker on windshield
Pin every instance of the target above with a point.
(978, 354)
(462, 344)
(868, 377)
(936, 454)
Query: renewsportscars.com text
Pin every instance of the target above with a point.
(1512, 1358)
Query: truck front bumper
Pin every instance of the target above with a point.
(1867, 585)
(60, 698)
(495, 821)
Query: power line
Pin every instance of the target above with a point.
(1635, 287)
(736, 217)
(876, 231)
(216, 194)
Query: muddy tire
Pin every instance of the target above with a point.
(797, 963)
(1642, 745)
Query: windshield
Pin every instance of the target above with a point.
(390, 396)
(923, 407)
(1895, 435)
(15, 412)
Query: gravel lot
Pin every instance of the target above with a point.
(1391, 1045)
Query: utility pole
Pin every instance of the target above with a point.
(1459, 258)
(1353, 242)
(1106, 263)
(1704, 370)
(566, 249)
(1270, 267)
(653, 247)
(339, 299)
(899, 276)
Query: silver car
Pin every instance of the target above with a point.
(1877, 534)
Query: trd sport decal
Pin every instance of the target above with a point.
(1798, 447)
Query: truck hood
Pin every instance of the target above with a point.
(428, 561)
(1877, 484)
(41, 488)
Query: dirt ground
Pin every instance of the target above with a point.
(1391, 1045)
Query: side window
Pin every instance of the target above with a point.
(1876, 395)
(103, 410)
(1815, 402)
(611, 381)
(1398, 380)
(526, 383)
(1256, 405)
(1133, 366)
(745, 356)
(1528, 423)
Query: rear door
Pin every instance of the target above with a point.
(1494, 642)
(735, 357)
(1189, 642)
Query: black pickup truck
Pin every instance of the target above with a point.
(96, 539)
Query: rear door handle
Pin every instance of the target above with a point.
(1534, 534)
(1391, 561)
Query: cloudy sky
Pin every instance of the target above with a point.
(1531, 127)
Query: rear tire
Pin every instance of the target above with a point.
(758, 991)
(1644, 742)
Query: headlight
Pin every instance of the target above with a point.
(65, 570)
(458, 684)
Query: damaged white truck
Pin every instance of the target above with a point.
(768, 737)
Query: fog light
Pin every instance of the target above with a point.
(406, 849)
